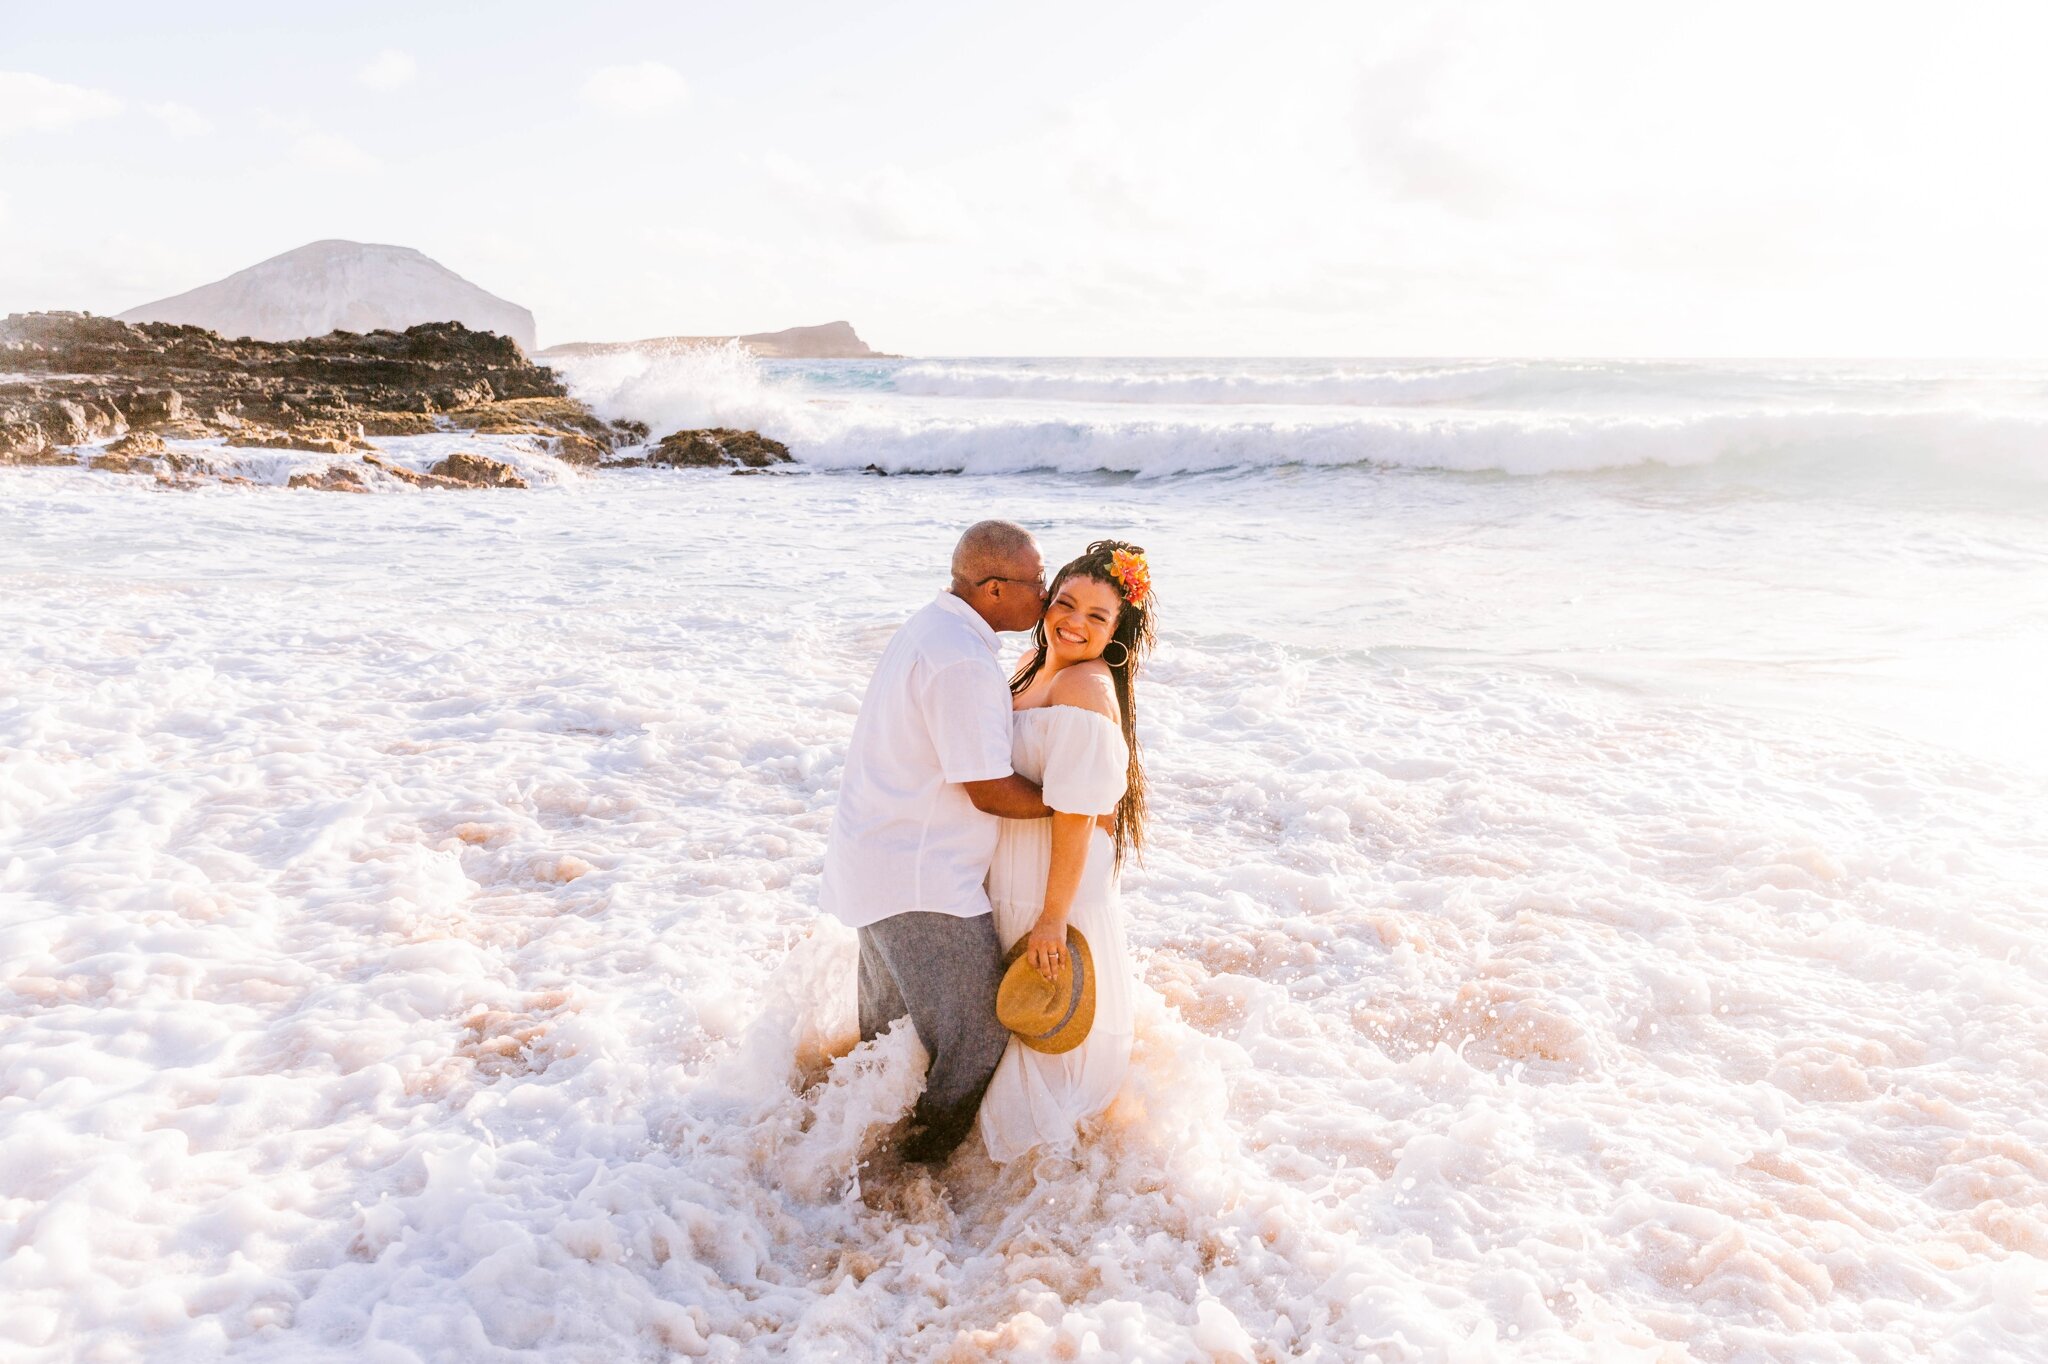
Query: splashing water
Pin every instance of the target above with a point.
(678, 386)
(1807, 425)
(1587, 916)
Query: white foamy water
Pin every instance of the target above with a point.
(1165, 417)
(1590, 915)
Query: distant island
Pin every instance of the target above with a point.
(335, 285)
(362, 287)
(830, 341)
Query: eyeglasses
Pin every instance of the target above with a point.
(1035, 584)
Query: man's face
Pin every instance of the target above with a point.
(1022, 592)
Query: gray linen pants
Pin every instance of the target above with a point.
(942, 970)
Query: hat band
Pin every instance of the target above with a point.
(1074, 1003)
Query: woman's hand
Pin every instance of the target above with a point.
(1047, 947)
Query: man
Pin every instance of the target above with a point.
(927, 775)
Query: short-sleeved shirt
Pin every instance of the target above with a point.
(905, 836)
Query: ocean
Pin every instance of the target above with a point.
(1594, 910)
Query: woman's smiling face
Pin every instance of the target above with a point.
(1080, 619)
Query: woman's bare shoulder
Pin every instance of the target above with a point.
(1087, 685)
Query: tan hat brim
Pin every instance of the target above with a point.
(1050, 1018)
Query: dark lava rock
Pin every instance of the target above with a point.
(403, 474)
(477, 394)
(324, 438)
(111, 463)
(565, 426)
(140, 445)
(398, 423)
(475, 471)
(82, 379)
(155, 407)
(23, 443)
(144, 452)
(337, 478)
(716, 447)
(35, 419)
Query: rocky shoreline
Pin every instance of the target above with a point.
(97, 393)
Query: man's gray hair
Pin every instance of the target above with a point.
(989, 549)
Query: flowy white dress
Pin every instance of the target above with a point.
(1078, 757)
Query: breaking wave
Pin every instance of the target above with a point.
(1162, 418)
(1516, 445)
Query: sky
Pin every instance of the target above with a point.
(1139, 178)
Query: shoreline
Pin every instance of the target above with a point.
(163, 400)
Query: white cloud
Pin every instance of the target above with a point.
(32, 103)
(642, 88)
(887, 205)
(787, 170)
(891, 205)
(326, 152)
(179, 120)
(389, 69)
(1399, 137)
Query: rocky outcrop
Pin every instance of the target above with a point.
(114, 462)
(137, 447)
(144, 452)
(183, 378)
(36, 423)
(24, 444)
(336, 478)
(405, 475)
(80, 379)
(322, 438)
(716, 447)
(566, 426)
(474, 471)
(73, 380)
(401, 473)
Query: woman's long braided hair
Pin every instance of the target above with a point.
(1134, 631)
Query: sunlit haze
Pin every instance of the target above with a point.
(497, 852)
(1310, 179)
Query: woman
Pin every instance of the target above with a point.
(1074, 732)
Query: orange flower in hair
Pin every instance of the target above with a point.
(1132, 573)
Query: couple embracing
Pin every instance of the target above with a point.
(981, 824)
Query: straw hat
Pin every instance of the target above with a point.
(1049, 1017)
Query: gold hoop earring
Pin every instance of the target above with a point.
(1121, 662)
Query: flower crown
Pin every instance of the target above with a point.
(1132, 573)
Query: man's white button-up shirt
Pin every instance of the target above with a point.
(936, 714)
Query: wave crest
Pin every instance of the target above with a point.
(1333, 386)
(678, 386)
(2010, 446)
(852, 415)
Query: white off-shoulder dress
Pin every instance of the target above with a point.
(1079, 759)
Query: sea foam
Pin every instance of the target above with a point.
(1161, 418)
(1570, 928)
